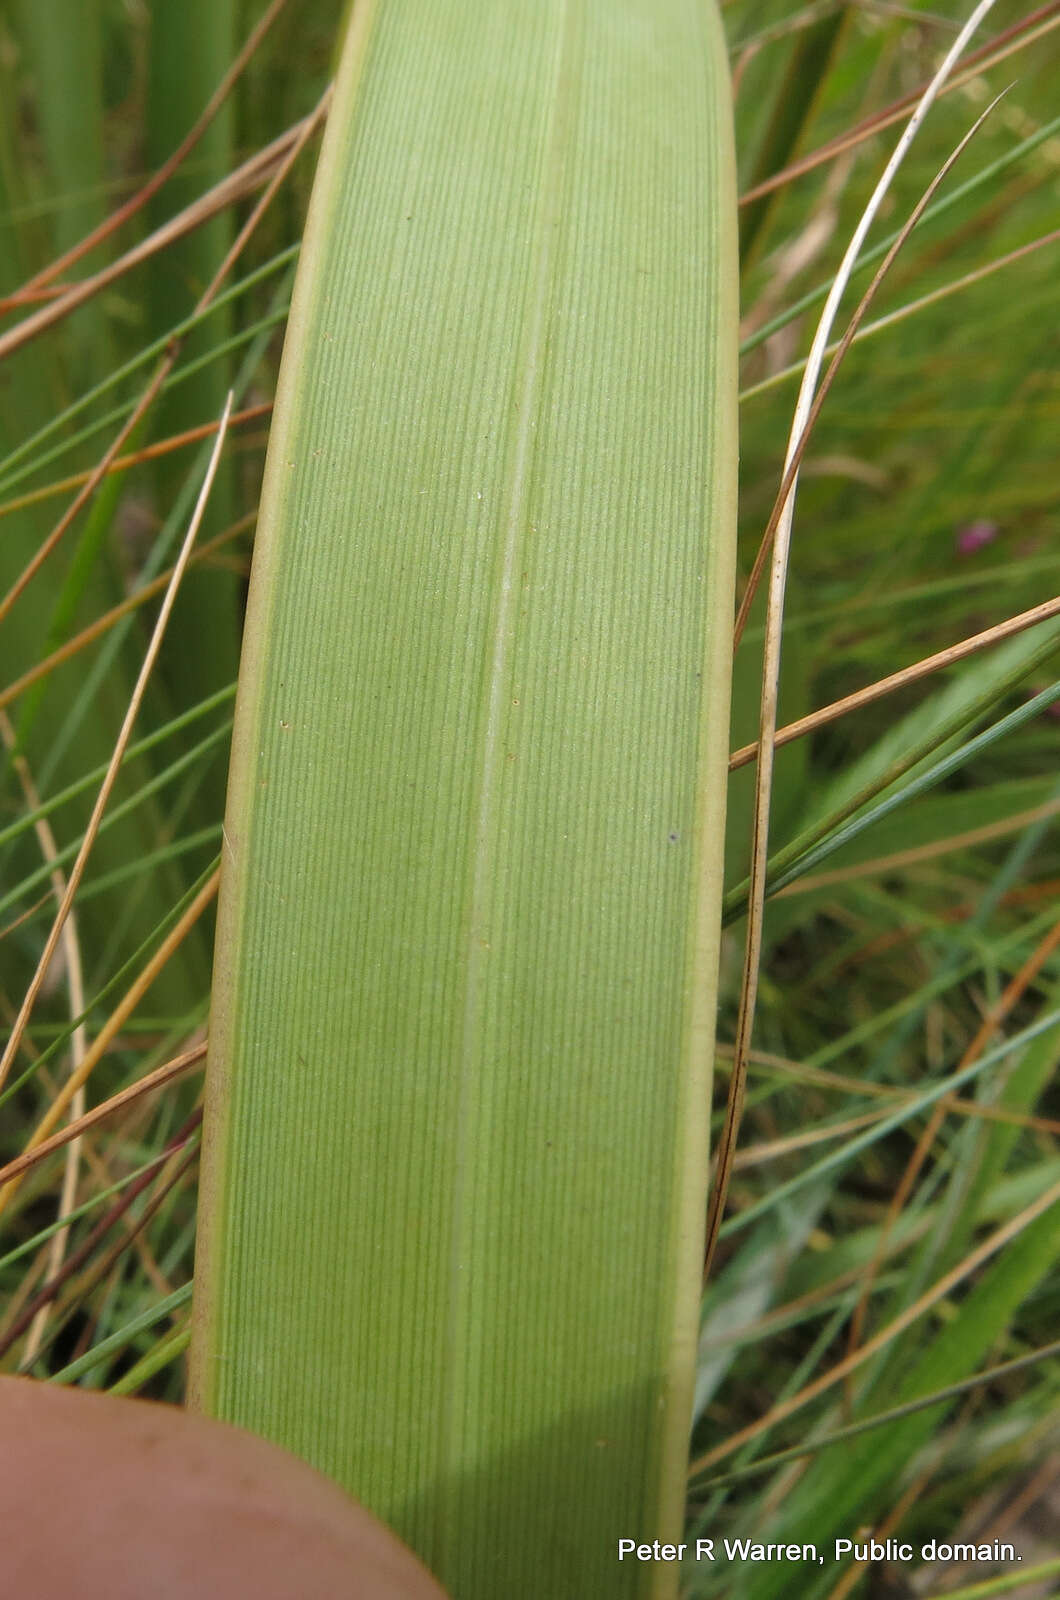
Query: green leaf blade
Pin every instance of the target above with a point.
(464, 996)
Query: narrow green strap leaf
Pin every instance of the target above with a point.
(796, 93)
(824, 1441)
(464, 997)
(1005, 1582)
(123, 1337)
(164, 1353)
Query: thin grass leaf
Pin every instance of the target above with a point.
(1005, 1582)
(190, 46)
(836, 1490)
(66, 62)
(77, 871)
(866, 1424)
(164, 1353)
(776, 547)
(862, 1141)
(795, 97)
(877, 251)
(120, 1340)
(907, 746)
(921, 784)
(29, 450)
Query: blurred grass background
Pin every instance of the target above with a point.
(928, 510)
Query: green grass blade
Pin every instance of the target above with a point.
(835, 1493)
(465, 982)
(851, 1147)
(123, 1337)
(926, 731)
(64, 51)
(191, 46)
(797, 91)
(811, 1447)
(937, 209)
(921, 784)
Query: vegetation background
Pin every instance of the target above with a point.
(871, 1186)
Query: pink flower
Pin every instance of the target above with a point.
(974, 535)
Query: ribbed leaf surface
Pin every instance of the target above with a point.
(464, 1003)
